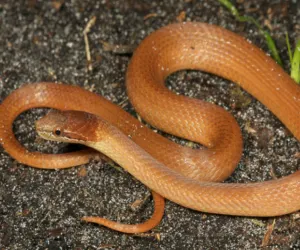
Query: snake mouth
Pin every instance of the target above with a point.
(57, 135)
(47, 135)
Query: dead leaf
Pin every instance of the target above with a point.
(181, 17)
(268, 234)
(82, 172)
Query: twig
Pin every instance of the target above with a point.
(86, 41)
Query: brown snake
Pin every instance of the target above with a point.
(186, 176)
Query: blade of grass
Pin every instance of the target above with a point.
(287, 40)
(230, 7)
(272, 47)
(268, 38)
(295, 64)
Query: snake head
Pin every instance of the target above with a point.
(67, 126)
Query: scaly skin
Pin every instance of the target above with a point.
(180, 174)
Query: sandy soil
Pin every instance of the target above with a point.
(43, 41)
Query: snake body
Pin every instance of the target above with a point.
(186, 176)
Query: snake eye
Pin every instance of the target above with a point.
(57, 132)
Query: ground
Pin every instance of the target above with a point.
(43, 41)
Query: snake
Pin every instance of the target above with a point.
(190, 177)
